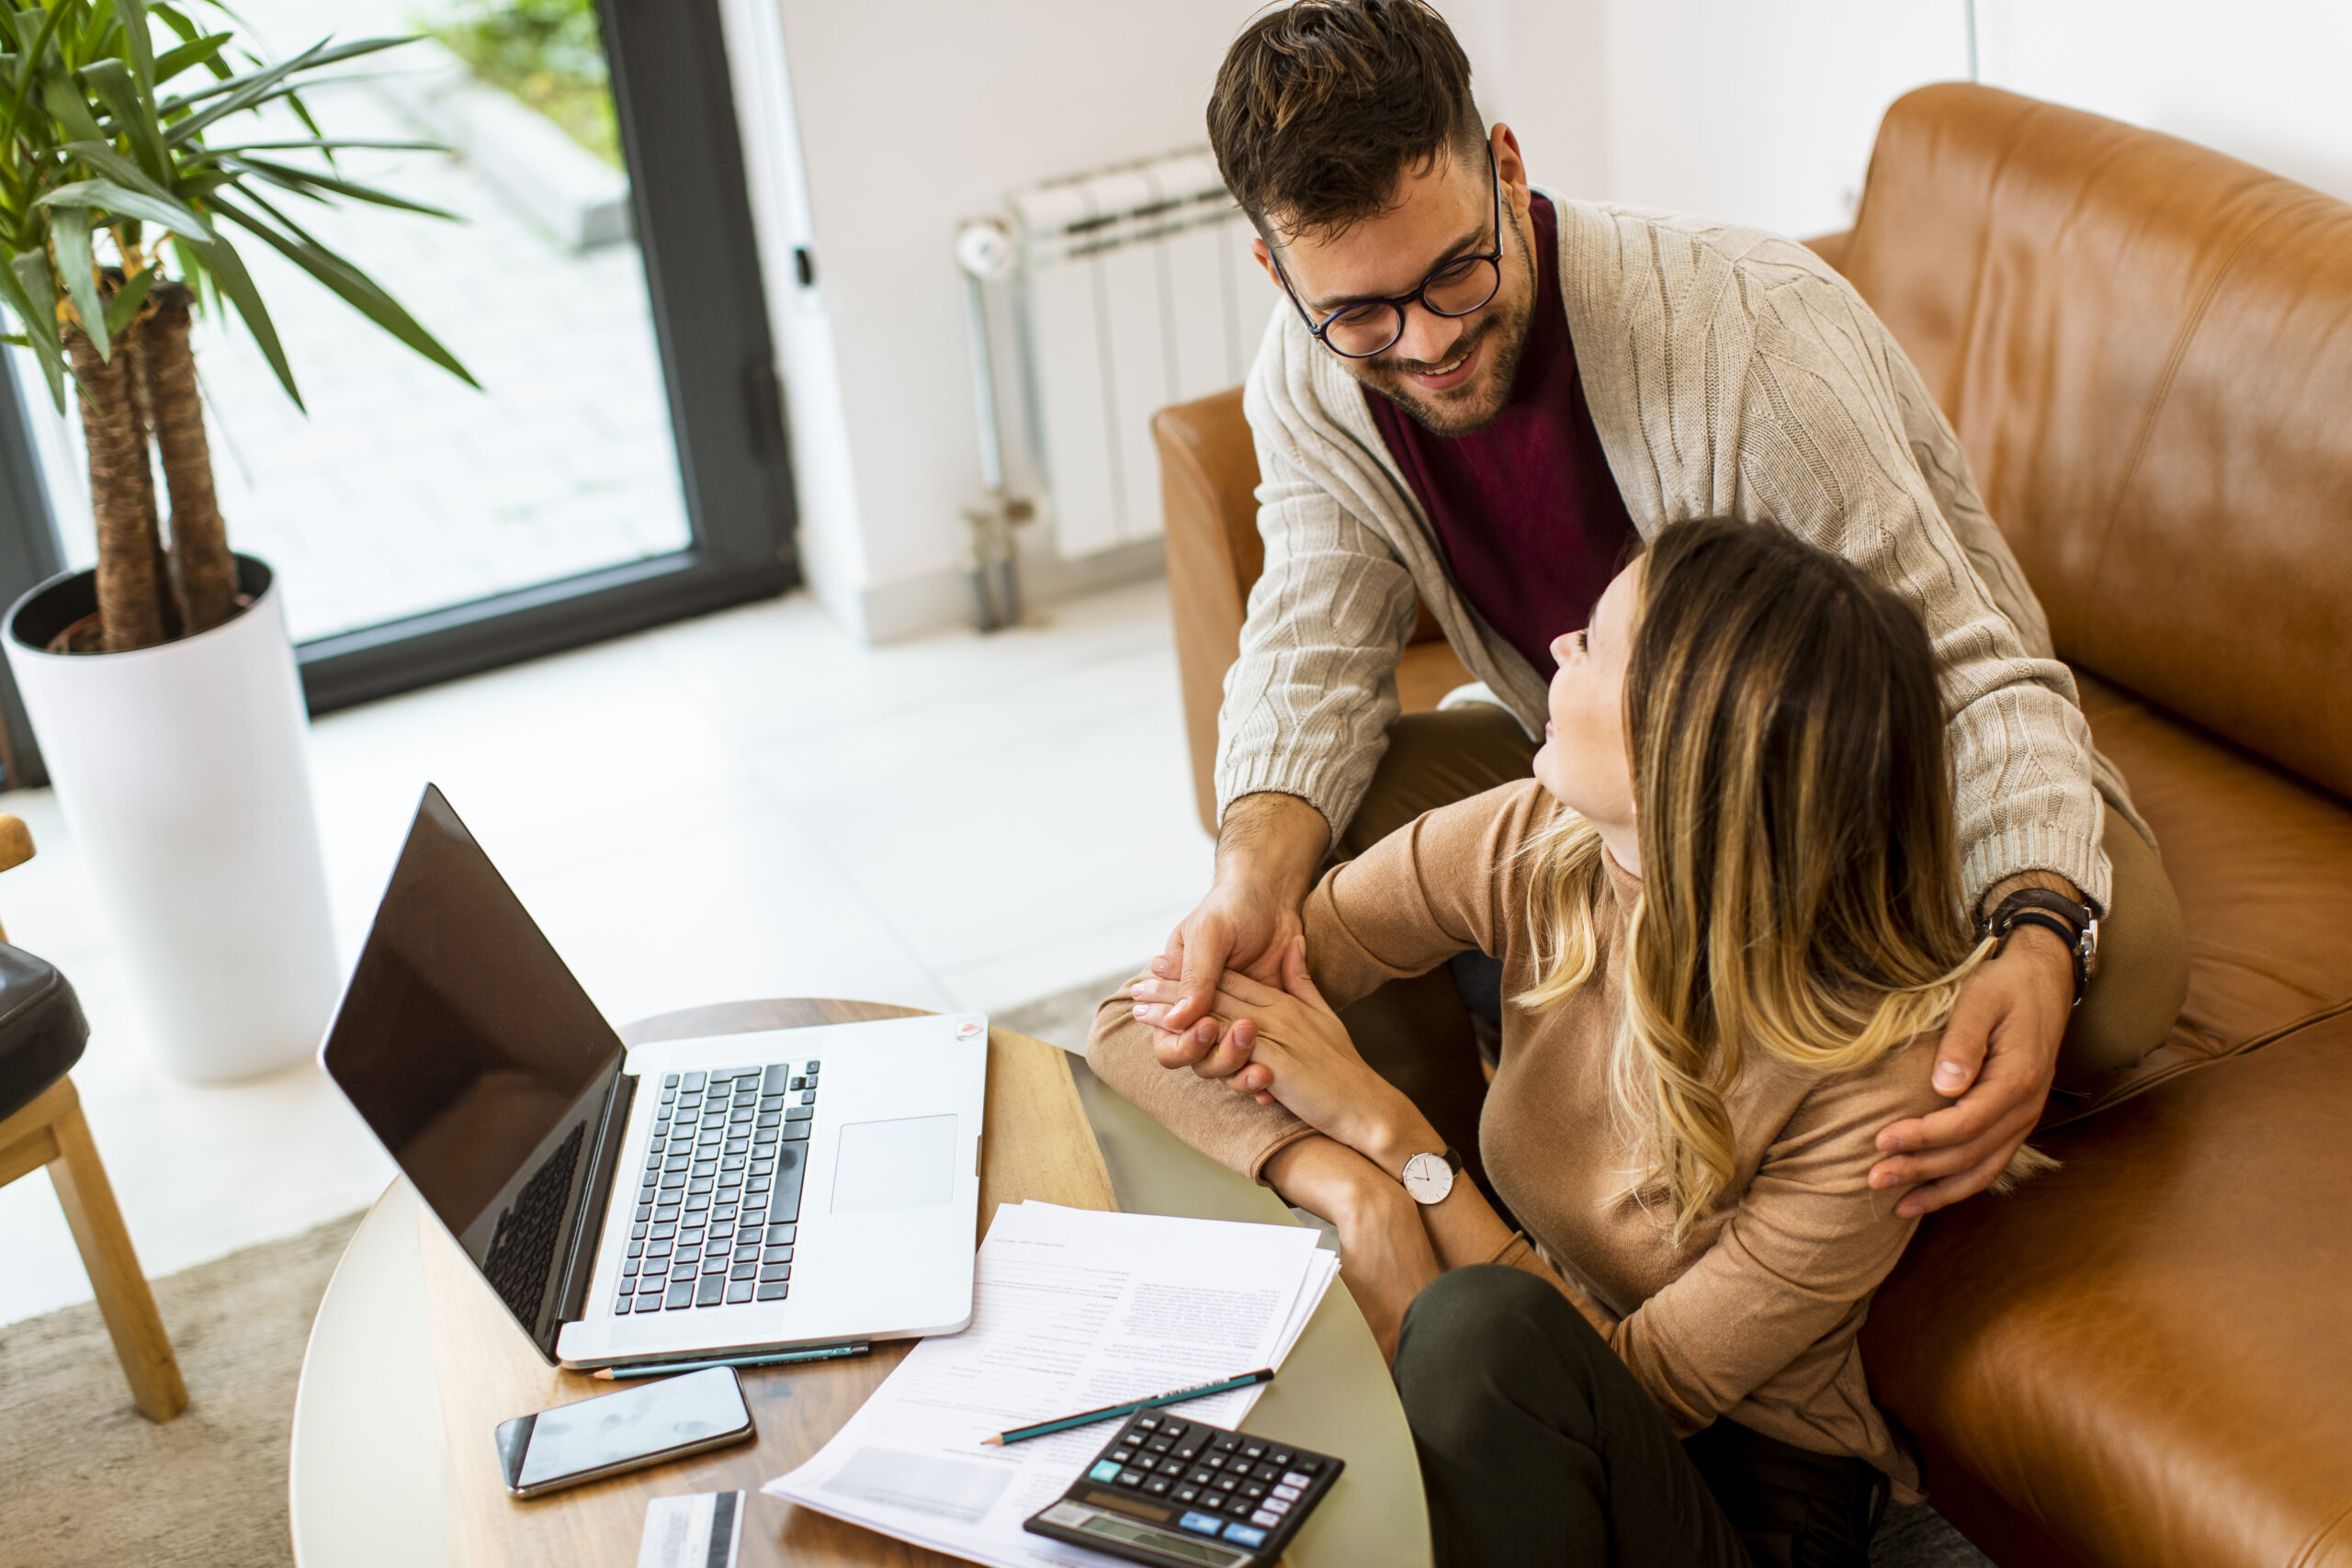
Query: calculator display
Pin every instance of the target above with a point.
(1112, 1528)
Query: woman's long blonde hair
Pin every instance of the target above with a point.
(1800, 882)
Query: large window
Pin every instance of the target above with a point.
(623, 462)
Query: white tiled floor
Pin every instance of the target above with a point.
(747, 804)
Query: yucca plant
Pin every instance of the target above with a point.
(121, 179)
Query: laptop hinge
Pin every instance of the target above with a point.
(595, 1197)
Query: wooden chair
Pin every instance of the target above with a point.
(47, 1130)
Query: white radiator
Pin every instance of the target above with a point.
(1117, 293)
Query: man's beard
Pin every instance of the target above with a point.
(1480, 405)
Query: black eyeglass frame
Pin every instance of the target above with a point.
(1419, 295)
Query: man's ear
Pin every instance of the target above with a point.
(1265, 260)
(1510, 167)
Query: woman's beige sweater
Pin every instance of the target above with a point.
(1754, 1318)
(1732, 374)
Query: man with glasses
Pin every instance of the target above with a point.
(1485, 397)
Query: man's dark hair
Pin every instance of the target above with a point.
(1320, 106)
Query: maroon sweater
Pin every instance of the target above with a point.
(1526, 512)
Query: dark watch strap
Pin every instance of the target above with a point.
(2070, 923)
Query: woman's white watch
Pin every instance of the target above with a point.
(1429, 1178)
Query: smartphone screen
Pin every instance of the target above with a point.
(613, 1432)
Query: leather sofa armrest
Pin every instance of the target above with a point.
(1208, 487)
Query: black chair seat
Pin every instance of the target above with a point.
(41, 1028)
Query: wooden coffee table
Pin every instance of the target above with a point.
(413, 1362)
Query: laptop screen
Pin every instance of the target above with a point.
(478, 1060)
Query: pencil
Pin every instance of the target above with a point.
(773, 1359)
(1088, 1417)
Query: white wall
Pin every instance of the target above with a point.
(913, 114)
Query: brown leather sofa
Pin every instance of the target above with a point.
(2144, 1358)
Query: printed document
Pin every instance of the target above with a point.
(1072, 1309)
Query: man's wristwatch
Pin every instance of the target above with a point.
(2074, 924)
(1429, 1178)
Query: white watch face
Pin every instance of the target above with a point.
(1428, 1178)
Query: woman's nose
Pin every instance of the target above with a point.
(1560, 647)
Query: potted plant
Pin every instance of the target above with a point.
(162, 683)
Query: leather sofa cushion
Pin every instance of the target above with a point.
(2262, 862)
(2146, 1351)
(2146, 347)
(41, 1028)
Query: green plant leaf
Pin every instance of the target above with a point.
(133, 111)
(347, 281)
(29, 66)
(70, 234)
(127, 301)
(246, 90)
(196, 51)
(143, 45)
(31, 294)
(228, 274)
(72, 111)
(300, 180)
(111, 198)
(326, 143)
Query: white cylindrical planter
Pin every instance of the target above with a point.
(185, 779)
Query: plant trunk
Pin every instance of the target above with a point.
(132, 590)
(132, 350)
(207, 572)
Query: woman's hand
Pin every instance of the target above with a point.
(1385, 1253)
(1300, 1053)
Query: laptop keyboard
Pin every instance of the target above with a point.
(721, 1195)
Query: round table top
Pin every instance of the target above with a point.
(371, 1480)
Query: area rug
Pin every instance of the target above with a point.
(86, 1482)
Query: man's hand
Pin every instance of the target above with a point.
(2016, 1007)
(1266, 856)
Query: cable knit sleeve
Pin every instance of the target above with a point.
(1310, 698)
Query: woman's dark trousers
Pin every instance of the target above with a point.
(1538, 1448)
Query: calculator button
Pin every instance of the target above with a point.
(1131, 1478)
(1227, 1483)
(1147, 1424)
(1160, 1445)
(1157, 1486)
(1187, 1450)
(1253, 1491)
(1200, 1478)
(1201, 1524)
(1264, 1473)
(1243, 1535)
(1186, 1493)
(1121, 1456)
(1287, 1495)
(1276, 1507)
(1281, 1456)
(1266, 1519)
(1310, 1465)
(1225, 1442)
(1301, 1481)
(1105, 1471)
(1254, 1451)
(1169, 1467)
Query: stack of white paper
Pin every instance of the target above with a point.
(1072, 1309)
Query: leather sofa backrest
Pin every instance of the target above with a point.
(2146, 349)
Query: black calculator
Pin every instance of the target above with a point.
(1179, 1495)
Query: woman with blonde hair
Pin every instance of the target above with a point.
(1728, 910)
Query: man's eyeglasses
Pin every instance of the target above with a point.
(1371, 328)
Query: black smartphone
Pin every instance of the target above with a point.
(629, 1430)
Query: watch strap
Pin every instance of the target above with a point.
(2014, 913)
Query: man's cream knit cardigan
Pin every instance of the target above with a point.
(1731, 373)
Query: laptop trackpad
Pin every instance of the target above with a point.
(906, 1164)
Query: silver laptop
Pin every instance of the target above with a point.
(745, 1193)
